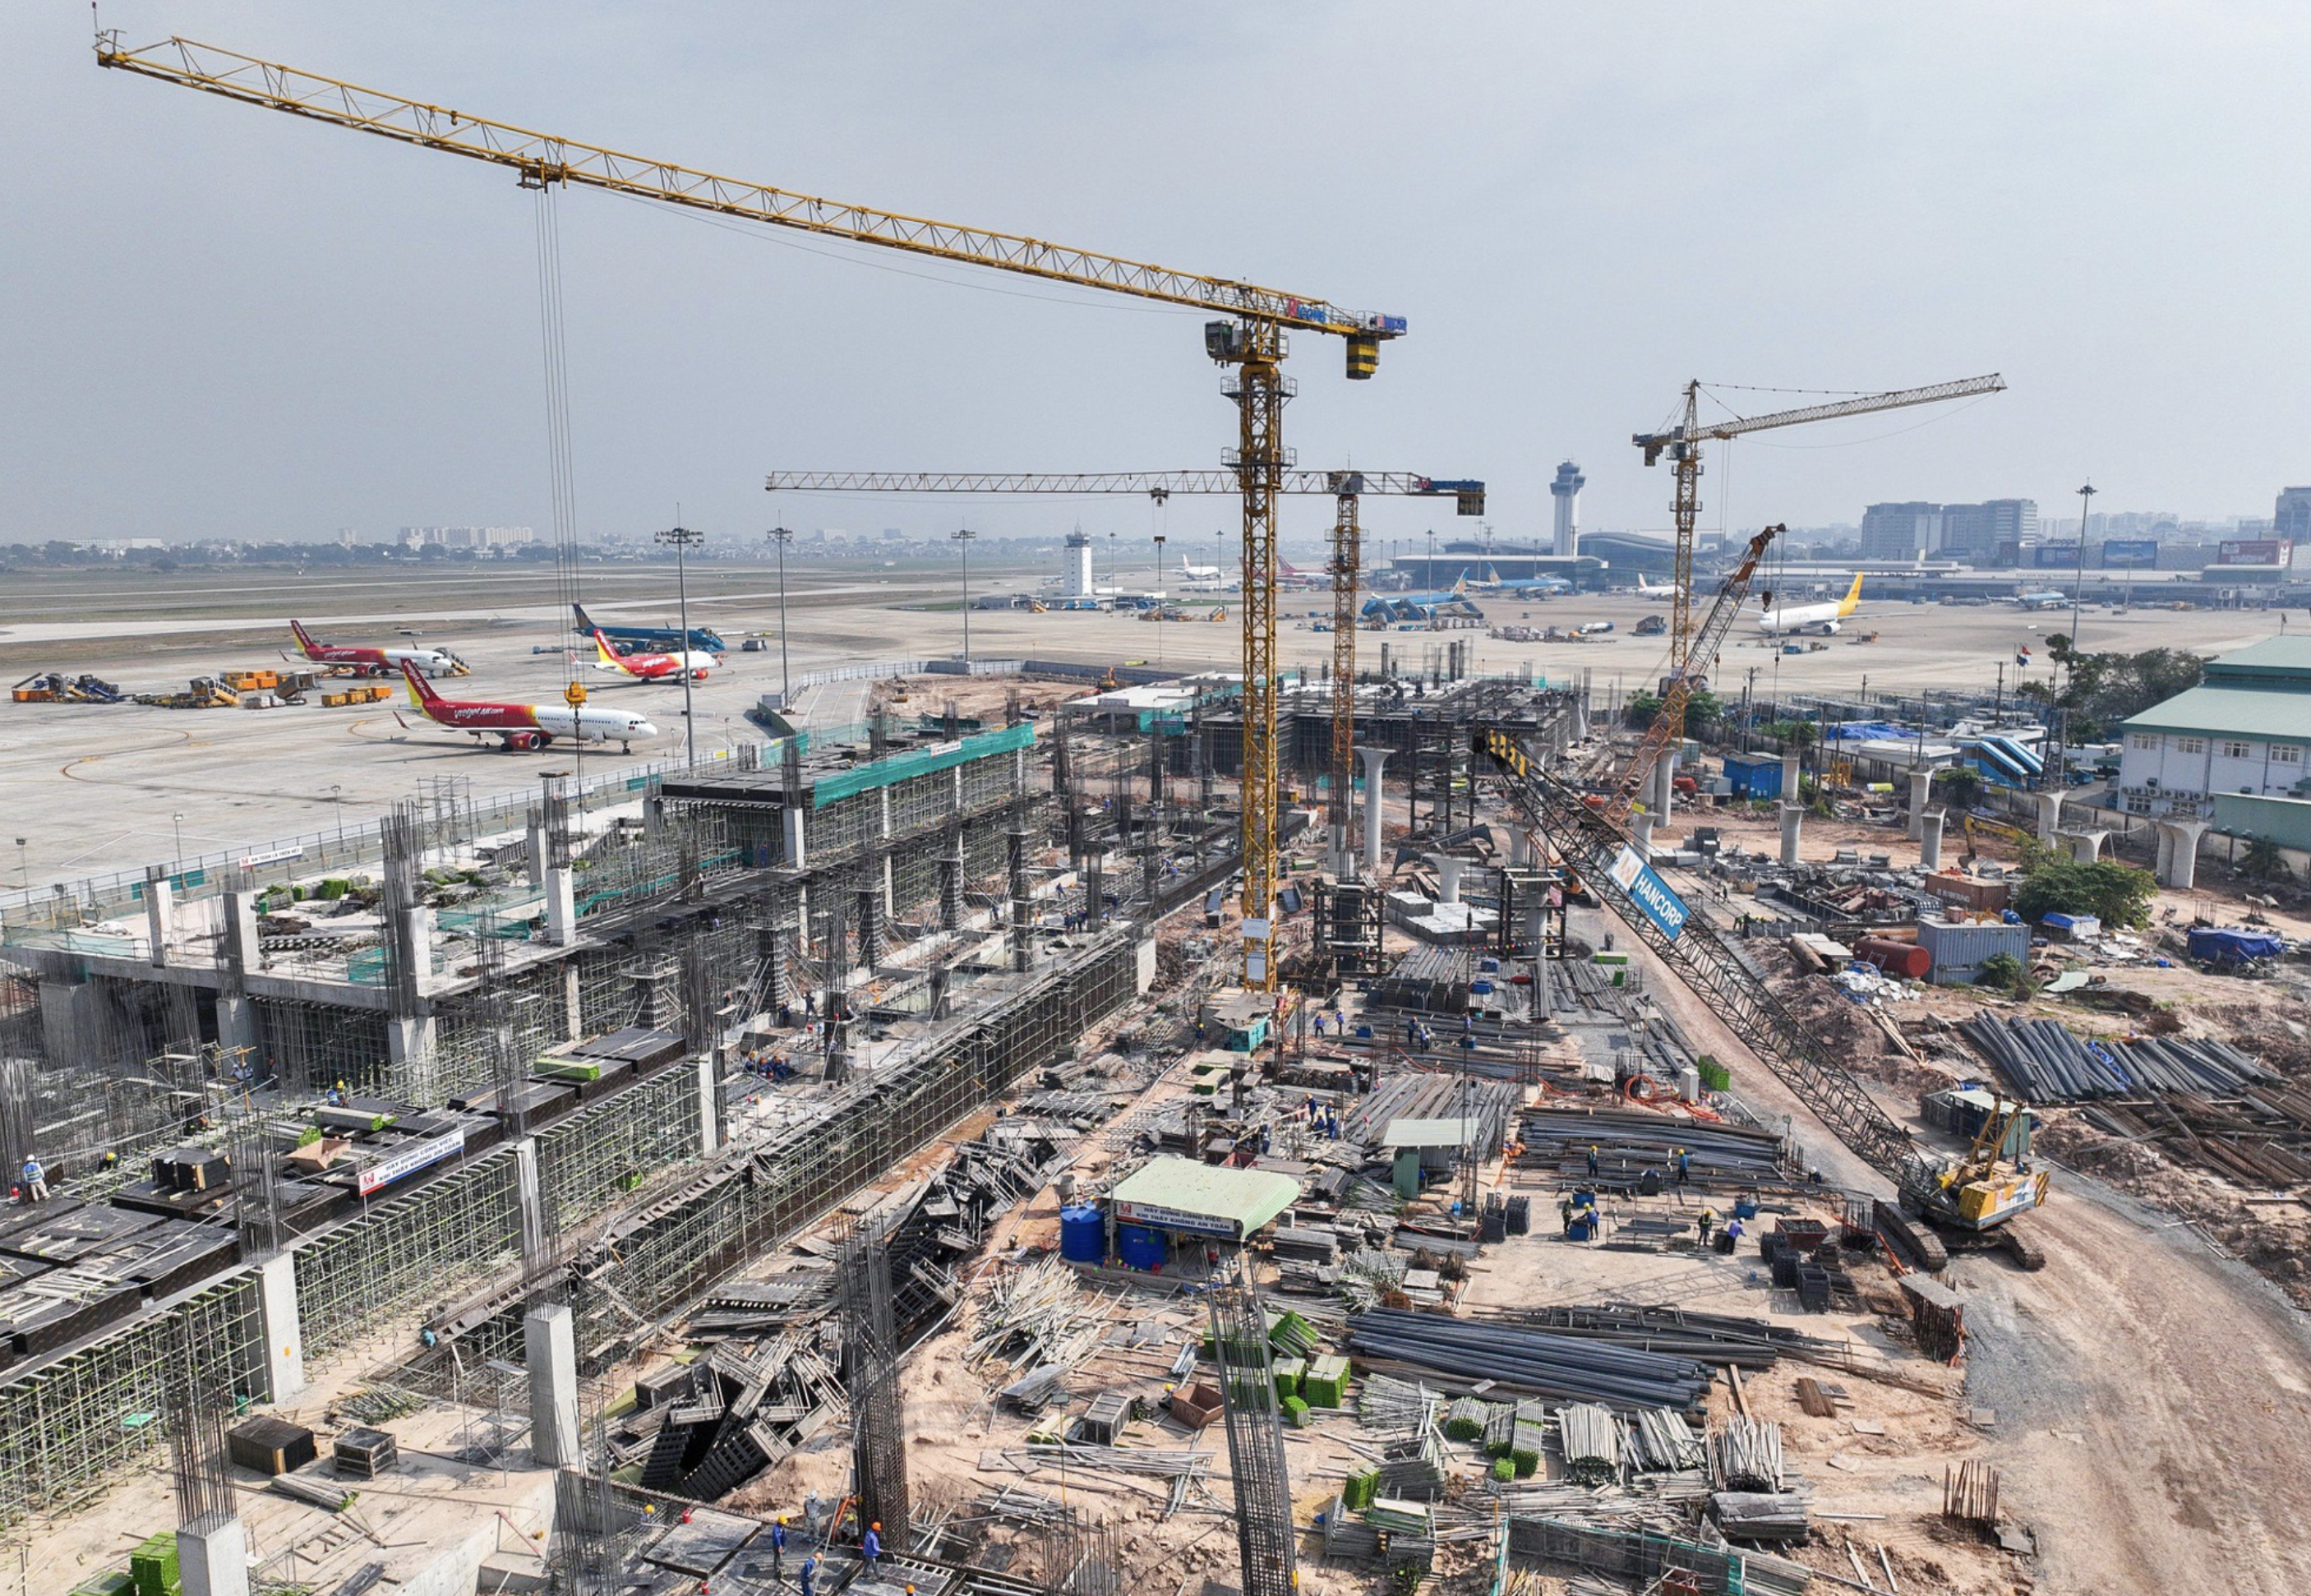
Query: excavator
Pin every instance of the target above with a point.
(1973, 1198)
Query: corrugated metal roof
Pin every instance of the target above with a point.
(2258, 712)
(1250, 1197)
(2284, 657)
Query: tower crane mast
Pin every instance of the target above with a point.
(1250, 340)
(1681, 442)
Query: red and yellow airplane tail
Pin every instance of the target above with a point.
(305, 643)
(608, 655)
(421, 691)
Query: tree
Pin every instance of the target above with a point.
(2261, 860)
(2117, 895)
(1959, 786)
(2003, 970)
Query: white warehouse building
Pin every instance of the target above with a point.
(2246, 729)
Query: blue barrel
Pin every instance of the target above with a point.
(1083, 1234)
(1140, 1248)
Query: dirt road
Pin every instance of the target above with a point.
(2152, 1400)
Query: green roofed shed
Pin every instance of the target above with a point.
(1180, 1194)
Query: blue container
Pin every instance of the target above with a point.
(1141, 1248)
(1083, 1234)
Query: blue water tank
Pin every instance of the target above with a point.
(1083, 1234)
(1140, 1248)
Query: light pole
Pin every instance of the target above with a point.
(24, 864)
(178, 820)
(1159, 608)
(962, 540)
(683, 539)
(1111, 559)
(782, 537)
(2078, 577)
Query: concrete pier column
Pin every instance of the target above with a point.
(1920, 787)
(160, 914)
(1374, 809)
(2050, 815)
(2086, 847)
(1790, 778)
(2179, 852)
(1520, 847)
(1930, 840)
(419, 920)
(561, 907)
(550, 1339)
(1448, 877)
(1792, 819)
(536, 871)
(1641, 826)
(1664, 802)
(284, 1328)
(213, 1556)
(795, 855)
(241, 950)
(408, 1037)
(66, 1006)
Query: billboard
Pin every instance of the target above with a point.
(2055, 556)
(2136, 554)
(2252, 551)
(1650, 892)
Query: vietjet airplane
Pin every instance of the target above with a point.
(1782, 620)
(525, 727)
(652, 667)
(377, 662)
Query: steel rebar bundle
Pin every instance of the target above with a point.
(1530, 1361)
(1746, 1455)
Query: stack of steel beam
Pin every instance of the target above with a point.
(1631, 1141)
(1719, 1338)
(1529, 1361)
(2048, 1064)
(1592, 1439)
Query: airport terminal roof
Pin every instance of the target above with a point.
(1168, 1189)
(2275, 661)
(2262, 690)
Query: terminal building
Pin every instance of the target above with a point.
(2244, 729)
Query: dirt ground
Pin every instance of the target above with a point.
(2151, 1391)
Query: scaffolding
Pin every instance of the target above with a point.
(1255, 1432)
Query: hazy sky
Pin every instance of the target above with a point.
(219, 320)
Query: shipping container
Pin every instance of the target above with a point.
(1754, 775)
(1959, 952)
(1970, 891)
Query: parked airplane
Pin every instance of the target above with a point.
(1529, 587)
(1196, 573)
(1663, 593)
(652, 667)
(1785, 619)
(2050, 598)
(654, 637)
(525, 727)
(377, 662)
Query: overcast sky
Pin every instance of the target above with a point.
(219, 320)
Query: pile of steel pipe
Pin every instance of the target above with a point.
(1630, 1141)
(1719, 1338)
(2046, 1064)
(1530, 1361)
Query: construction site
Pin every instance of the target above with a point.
(1327, 1115)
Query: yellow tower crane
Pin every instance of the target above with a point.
(1346, 487)
(1682, 440)
(1249, 341)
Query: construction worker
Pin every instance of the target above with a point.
(1593, 1161)
(337, 1096)
(870, 1545)
(1708, 1223)
(810, 1576)
(1684, 1166)
(1320, 1027)
(36, 1180)
(1734, 1233)
(1564, 1216)
(778, 1546)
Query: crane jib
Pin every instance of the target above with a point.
(1646, 889)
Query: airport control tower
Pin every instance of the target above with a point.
(1076, 579)
(1567, 491)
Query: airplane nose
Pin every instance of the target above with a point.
(642, 728)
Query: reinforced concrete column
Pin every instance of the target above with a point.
(551, 1342)
(1792, 819)
(710, 1106)
(561, 907)
(573, 1003)
(796, 858)
(1930, 840)
(1375, 810)
(2179, 852)
(408, 1037)
(1640, 826)
(536, 848)
(1448, 877)
(1664, 783)
(2086, 847)
(1921, 786)
(236, 1024)
(160, 916)
(419, 920)
(2050, 815)
(65, 1007)
(1520, 847)
(242, 949)
(283, 1327)
(213, 1556)
(1790, 778)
